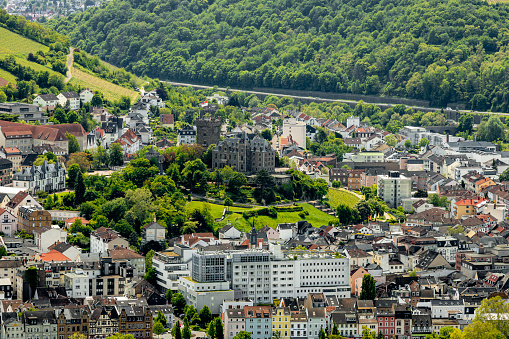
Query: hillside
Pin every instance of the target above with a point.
(17, 47)
(433, 50)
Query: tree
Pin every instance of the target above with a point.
(266, 134)
(195, 320)
(276, 334)
(175, 332)
(116, 155)
(408, 144)
(242, 335)
(412, 274)
(32, 278)
(186, 332)
(218, 326)
(437, 201)
(79, 189)
(504, 176)
(3, 252)
(178, 302)
(160, 318)
(494, 311)
(73, 172)
(423, 142)
(344, 214)
(321, 334)
(364, 209)
(391, 140)
(211, 330)
(82, 159)
(421, 194)
(466, 123)
(335, 330)
(168, 295)
(158, 328)
(59, 115)
(74, 145)
(490, 130)
(97, 100)
(368, 289)
(205, 316)
(483, 330)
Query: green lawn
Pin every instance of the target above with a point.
(337, 197)
(315, 217)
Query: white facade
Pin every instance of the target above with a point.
(353, 121)
(169, 268)
(76, 284)
(74, 102)
(368, 157)
(393, 188)
(42, 101)
(296, 129)
(86, 95)
(45, 239)
(186, 136)
(211, 294)
(101, 244)
(251, 276)
(310, 274)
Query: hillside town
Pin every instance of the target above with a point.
(423, 250)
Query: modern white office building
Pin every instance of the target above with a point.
(393, 188)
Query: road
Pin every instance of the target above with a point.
(70, 58)
(317, 99)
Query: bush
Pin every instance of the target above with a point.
(302, 215)
(289, 208)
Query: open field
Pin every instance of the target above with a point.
(111, 91)
(12, 43)
(316, 218)
(7, 76)
(337, 197)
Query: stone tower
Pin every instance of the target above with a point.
(208, 131)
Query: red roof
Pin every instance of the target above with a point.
(470, 202)
(167, 119)
(83, 220)
(53, 256)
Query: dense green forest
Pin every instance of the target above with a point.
(441, 51)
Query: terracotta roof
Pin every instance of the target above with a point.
(12, 150)
(53, 255)
(470, 202)
(167, 119)
(83, 220)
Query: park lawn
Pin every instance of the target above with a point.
(316, 217)
(12, 43)
(111, 91)
(337, 197)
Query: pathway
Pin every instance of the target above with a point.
(69, 65)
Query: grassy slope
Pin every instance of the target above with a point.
(315, 217)
(12, 43)
(20, 47)
(337, 197)
(110, 91)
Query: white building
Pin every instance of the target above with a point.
(200, 294)
(187, 135)
(353, 121)
(447, 247)
(45, 237)
(170, 266)
(12, 325)
(86, 95)
(302, 272)
(393, 188)
(104, 239)
(296, 129)
(76, 284)
(44, 100)
(251, 276)
(153, 232)
(47, 177)
(72, 97)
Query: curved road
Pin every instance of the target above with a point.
(322, 99)
(69, 65)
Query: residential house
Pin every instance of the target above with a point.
(22, 198)
(468, 207)
(14, 155)
(354, 179)
(234, 322)
(47, 177)
(8, 223)
(167, 120)
(45, 100)
(44, 237)
(281, 322)
(86, 95)
(229, 232)
(125, 254)
(258, 321)
(130, 142)
(72, 97)
(186, 135)
(153, 232)
(33, 218)
(26, 112)
(104, 239)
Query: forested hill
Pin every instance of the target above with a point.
(442, 51)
